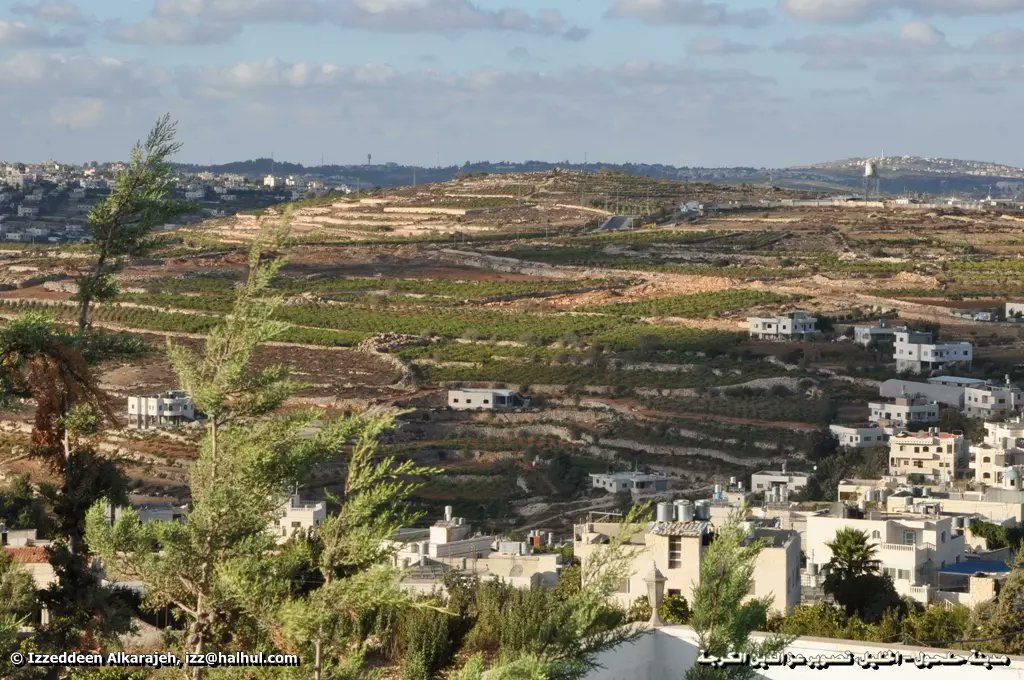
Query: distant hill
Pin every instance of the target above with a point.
(899, 175)
(917, 165)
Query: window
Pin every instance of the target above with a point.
(469, 401)
(455, 400)
(942, 537)
(675, 552)
(903, 574)
(909, 537)
(487, 401)
(876, 534)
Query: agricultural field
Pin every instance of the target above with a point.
(631, 344)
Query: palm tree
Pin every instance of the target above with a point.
(852, 555)
(853, 569)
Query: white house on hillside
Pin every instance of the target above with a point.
(917, 352)
(856, 437)
(795, 325)
(170, 408)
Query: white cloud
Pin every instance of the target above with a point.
(54, 11)
(1006, 41)
(77, 113)
(163, 31)
(859, 11)
(698, 12)
(38, 77)
(20, 34)
(278, 11)
(914, 38)
(451, 16)
(709, 45)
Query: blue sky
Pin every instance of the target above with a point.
(686, 82)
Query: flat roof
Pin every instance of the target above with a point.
(693, 528)
(971, 567)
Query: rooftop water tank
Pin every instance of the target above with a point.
(684, 511)
(665, 512)
(702, 510)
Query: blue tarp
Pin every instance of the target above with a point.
(971, 567)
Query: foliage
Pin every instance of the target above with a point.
(21, 508)
(853, 578)
(997, 535)
(723, 616)
(123, 224)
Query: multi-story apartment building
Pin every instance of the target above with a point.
(881, 333)
(998, 460)
(170, 408)
(858, 436)
(936, 456)
(902, 412)
(917, 352)
(912, 549)
(677, 548)
(989, 401)
(795, 325)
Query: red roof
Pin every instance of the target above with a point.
(31, 554)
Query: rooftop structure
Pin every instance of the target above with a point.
(944, 394)
(988, 400)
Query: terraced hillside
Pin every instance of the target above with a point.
(630, 342)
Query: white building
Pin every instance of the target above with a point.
(471, 398)
(195, 195)
(676, 548)
(856, 437)
(777, 484)
(916, 352)
(937, 456)
(903, 411)
(910, 549)
(631, 482)
(297, 515)
(989, 401)
(868, 335)
(1014, 310)
(28, 210)
(270, 181)
(169, 408)
(998, 460)
(796, 325)
(450, 544)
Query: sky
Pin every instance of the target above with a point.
(764, 83)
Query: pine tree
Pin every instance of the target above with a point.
(123, 224)
(723, 615)
(221, 569)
